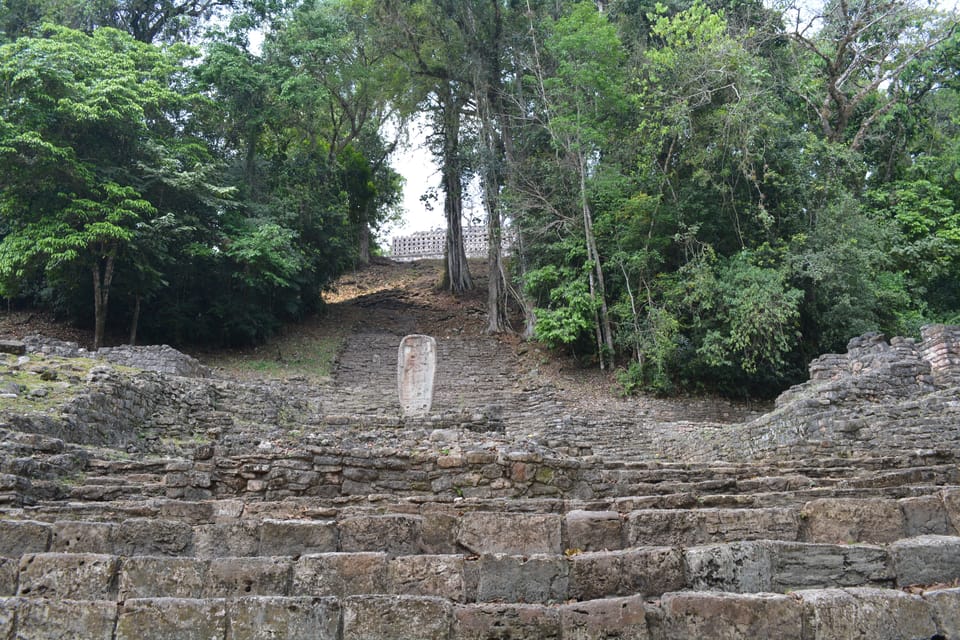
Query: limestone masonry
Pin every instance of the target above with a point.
(144, 496)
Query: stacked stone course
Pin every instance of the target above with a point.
(159, 505)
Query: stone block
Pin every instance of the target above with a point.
(846, 520)
(340, 574)
(951, 504)
(595, 575)
(68, 576)
(161, 577)
(427, 575)
(438, 532)
(298, 537)
(683, 527)
(622, 618)
(925, 515)
(878, 614)
(739, 567)
(8, 578)
(396, 618)
(534, 579)
(517, 533)
(727, 616)
(171, 619)
(82, 537)
(239, 577)
(926, 560)
(13, 347)
(652, 571)
(19, 537)
(945, 605)
(293, 618)
(593, 530)
(152, 537)
(43, 619)
(394, 534)
(8, 616)
(506, 621)
(226, 540)
(812, 566)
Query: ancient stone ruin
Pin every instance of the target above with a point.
(155, 503)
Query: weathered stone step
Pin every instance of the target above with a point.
(289, 469)
(821, 614)
(749, 567)
(234, 529)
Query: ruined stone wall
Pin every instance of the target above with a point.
(880, 397)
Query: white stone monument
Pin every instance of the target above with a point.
(416, 367)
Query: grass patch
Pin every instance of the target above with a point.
(311, 355)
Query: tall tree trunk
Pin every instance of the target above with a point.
(605, 332)
(363, 254)
(101, 299)
(135, 322)
(497, 321)
(457, 276)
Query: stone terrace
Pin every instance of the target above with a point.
(153, 504)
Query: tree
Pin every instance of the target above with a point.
(81, 116)
(580, 101)
(431, 47)
(854, 54)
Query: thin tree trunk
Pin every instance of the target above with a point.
(135, 322)
(594, 256)
(101, 299)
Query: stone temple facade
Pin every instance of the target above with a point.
(429, 245)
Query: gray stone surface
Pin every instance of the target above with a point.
(396, 618)
(839, 521)
(506, 621)
(622, 618)
(152, 537)
(808, 566)
(741, 567)
(18, 537)
(171, 619)
(428, 575)
(517, 533)
(416, 368)
(691, 527)
(54, 619)
(945, 604)
(340, 574)
(593, 530)
(926, 560)
(283, 618)
(8, 615)
(297, 537)
(537, 578)
(82, 537)
(723, 616)
(394, 534)
(161, 577)
(239, 577)
(81, 576)
(226, 540)
(925, 515)
(8, 578)
(833, 614)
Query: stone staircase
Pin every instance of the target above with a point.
(204, 508)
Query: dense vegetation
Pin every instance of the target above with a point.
(703, 195)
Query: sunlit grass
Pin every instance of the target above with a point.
(311, 355)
